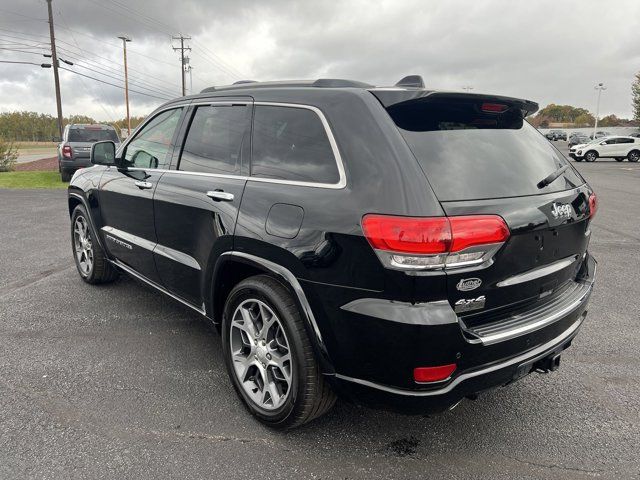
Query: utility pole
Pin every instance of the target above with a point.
(190, 79)
(182, 49)
(126, 39)
(600, 87)
(54, 62)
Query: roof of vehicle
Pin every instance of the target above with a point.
(408, 88)
(91, 126)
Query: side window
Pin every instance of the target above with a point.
(214, 140)
(291, 143)
(625, 140)
(151, 145)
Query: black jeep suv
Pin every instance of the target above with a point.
(400, 247)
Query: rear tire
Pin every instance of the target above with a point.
(90, 259)
(634, 156)
(65, 176)
(591, 156)
(269, 357)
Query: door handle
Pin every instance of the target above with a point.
(142, 185)
(220, 196)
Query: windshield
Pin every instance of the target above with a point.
(91, 135)
(468, 154)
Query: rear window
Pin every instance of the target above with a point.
(91, 135)
(290, 143)
(468, 154)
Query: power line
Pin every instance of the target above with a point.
(113, 84)
(43, 65)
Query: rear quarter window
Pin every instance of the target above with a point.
(291, 143)
(468, 154)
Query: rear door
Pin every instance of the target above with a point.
(197, 202)
(482, 158)
(126, 193)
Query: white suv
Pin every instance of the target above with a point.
(609, 147)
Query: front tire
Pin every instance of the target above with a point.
(90, 259)
(590, 156)
(269, 357)
(65, 176)
(619, 159)
(634, 156)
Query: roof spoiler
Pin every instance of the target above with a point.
(395, 98)
(411, 81)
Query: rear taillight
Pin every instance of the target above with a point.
(415, 243)
(66, 151)
(433, 374)
(593, 205)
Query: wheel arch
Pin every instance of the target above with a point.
(233, 267)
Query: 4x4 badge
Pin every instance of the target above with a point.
(467, 284)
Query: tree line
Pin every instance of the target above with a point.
(579, 117)
(40, 127)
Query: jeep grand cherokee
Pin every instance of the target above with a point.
(400, 247)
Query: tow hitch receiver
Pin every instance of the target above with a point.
(548, 364)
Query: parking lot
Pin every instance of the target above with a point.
(120, 381)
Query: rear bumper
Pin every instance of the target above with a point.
(70, 165)
(467, 384)
(374, 345)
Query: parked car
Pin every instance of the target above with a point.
(399, 247)
(74, 149)
(599, 134)
(636, 135)
(556, 135)
(578, 139)
(609, 147)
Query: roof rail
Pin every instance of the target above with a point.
(339, 83)
(240, 82)
(414, 81)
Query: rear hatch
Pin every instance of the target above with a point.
(482, 158)
(81, 137)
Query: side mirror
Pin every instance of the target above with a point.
(103, 153)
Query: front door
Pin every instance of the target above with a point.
(126, 193)
(196, 204)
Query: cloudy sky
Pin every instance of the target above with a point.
(546, 51)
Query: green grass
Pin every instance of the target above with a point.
(31, 180)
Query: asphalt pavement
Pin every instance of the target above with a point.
(119, 381)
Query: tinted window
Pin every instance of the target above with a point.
(291, 144)
(151, 145)
(468, 154)
(89, 134)
(214, 140)
(625, 140)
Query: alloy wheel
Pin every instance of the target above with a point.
(82, 245)
(260, 354)
(634, 156)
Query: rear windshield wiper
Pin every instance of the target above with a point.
(548, 180)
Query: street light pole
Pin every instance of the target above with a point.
(600, 87)
(126, 39)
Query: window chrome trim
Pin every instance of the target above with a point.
(342, 182)
(531, 356)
